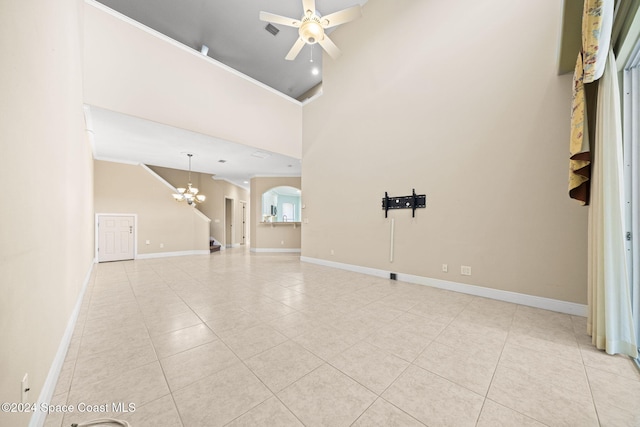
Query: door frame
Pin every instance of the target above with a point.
(243, 205)
(96, 239)
(229, 221)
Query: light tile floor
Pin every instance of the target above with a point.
(244, 339)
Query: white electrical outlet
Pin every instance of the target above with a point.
(332, 252)
(465, 270)
(24, 388)
(147, 242)
(282, 242)
(445, 268)
(161, 245)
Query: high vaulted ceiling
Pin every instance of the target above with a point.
(236, 37)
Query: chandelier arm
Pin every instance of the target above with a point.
(189, 194)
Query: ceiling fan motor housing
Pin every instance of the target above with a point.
(311, 31)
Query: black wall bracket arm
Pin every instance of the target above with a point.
(413, 202)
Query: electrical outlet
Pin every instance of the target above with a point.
(147, 242)
(332, 252)
(465, 270)
(282, 242)
(24, 388)
(445, 268)
(161, 245)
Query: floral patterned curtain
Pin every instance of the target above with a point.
(597, 21)
(580, 160)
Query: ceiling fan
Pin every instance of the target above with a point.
(312, 25)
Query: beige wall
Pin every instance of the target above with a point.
(46, 237)
(216, 191)
(133, 71)
(462, 102)
(272, 236)
(132, 189)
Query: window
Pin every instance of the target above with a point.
(281, 204)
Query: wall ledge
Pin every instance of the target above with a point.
(497, 294)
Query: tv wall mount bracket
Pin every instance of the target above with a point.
(412, 202)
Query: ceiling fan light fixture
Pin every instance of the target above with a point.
(311, 31)
(311, 27)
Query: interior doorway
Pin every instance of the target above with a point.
(244, 223)
(116, 237)
(228, 223)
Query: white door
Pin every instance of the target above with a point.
(115, 238)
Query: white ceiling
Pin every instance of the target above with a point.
(123, 138)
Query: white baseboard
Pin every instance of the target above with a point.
(277, 250)
(497, 294)
(170, 254)
(49, 386)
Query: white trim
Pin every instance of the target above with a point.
(276, 250)
(497, 294)
(185, 48)
(313, 98)
(112, 160)
(175, 190)
(158, 177)
(280, 175)
(38, 417)
(215, 178)
(200, 214)
(88, 126)
(171, 254)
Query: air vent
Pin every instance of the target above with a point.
(222, 161)
(272, 29)
(260, 154)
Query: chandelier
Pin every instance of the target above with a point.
(189, 194)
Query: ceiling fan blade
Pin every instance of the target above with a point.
(342, 16)
(331, 48)
(309, 5)
(295, 50)
(277, 19)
